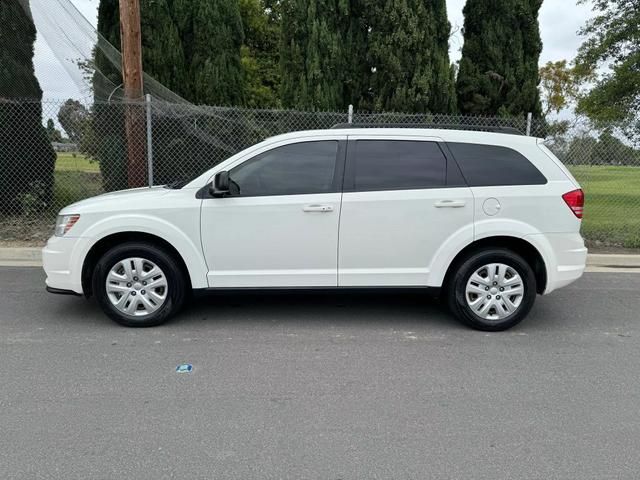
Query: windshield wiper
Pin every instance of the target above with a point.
(177, 185)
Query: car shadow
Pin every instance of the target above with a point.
(316, 308)
(385, 308)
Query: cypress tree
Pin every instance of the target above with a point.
(499, 66)
(321, 54)
(192, 47)
(17, 78)
(408, 56)
(27, 159)
(214, 59)
(107, 121)
(163, 54)
(260, 54)
(106, 77)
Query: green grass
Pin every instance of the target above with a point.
(76, 162)
(76, 177)
(612, 204)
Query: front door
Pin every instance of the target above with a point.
(280, 226)
(401, 203)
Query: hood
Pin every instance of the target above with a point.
(122, 200)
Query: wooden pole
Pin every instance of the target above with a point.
(131, 40)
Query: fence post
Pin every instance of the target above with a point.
(350, 114)
(149, 141)
(529, 124)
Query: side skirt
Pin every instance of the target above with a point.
(391, 290)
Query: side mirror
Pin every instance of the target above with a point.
(220, 184)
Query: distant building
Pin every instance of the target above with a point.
(64, 147)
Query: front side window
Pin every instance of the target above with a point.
(492, 165)
(299, 168)
(397, 165)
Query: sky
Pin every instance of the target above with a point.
(559, 23)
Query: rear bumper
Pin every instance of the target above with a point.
(62, 262)
(565, 257)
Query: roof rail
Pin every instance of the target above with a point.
(444, 126)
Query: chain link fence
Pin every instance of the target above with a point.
(54, 153)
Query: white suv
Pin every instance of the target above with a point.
(489, 219)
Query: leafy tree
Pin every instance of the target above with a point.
(259, 54)
(26, 157)
(560, 85)
(74, 116)
(610, 150)
(53, 133)
(604, 149)
(321, 54)
(613, 39)
(408, 56)
(499, 66)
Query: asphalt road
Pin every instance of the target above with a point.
(321, 387)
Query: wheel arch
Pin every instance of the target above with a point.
(109, 241)
(518, 245)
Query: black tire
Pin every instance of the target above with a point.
(176, 284)
(456, 289)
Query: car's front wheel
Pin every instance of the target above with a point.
(492, 290)
(138, 284)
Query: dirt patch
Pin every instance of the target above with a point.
(25, 232)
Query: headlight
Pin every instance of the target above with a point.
(64, 224)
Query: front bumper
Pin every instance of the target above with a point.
(62, 262)
(59, 291)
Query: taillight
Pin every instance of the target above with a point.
(575, 200)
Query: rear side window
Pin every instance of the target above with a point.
(491, 165)
(397, 165)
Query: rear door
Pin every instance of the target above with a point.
(402, 200)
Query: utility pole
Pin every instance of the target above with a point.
(131, 44)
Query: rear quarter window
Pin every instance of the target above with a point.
(492, 165)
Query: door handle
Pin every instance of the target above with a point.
(318, 208)
(450, 204)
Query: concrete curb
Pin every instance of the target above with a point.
(614, 262)
(596, 262)
(21, 257)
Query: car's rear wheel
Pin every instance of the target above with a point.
(492, 290)
(138, 284)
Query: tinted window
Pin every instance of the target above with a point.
(489, 165)
(292, 169)
(397, 165)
